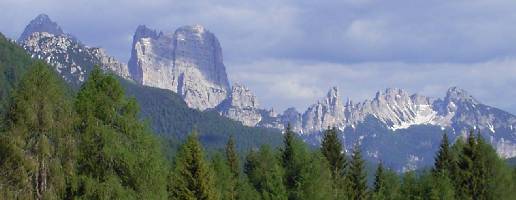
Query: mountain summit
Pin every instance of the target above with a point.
(42, 23)
(188, 62)
(44, 39)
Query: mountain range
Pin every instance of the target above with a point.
(401, 129)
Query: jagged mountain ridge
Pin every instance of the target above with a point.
(45, 40)
(390, 122)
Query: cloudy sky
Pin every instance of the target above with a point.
(291, 52)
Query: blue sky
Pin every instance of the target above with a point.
(291, 52)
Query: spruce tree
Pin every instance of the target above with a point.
(332, 150)
(223, 177)
(232, 157)
(193, 178)
(379, 179)
(357, 176)
(232, 163)
(444, 160)
(290, 161)
(466, 186)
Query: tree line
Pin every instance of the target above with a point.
(93, 145)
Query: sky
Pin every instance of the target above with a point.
(291, 52)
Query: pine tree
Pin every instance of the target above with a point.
(444, 161)
(357, 176)
(223, 177)
(466, 186)
(232, 157)
(379, 179)
(232, 162)
(38, 148)
(193, 178)
(290, 161)
(332, 150)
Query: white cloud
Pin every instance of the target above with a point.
(285, 83)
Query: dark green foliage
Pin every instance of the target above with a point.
(172, 119)
(386, 185)
(234, 168)
(357, 176)
(305, 172)
(193, 178)
(14, 62)
(232, 157)
(379, 179)
(119, 157)
(410, 187)
(265, 174)
(37, 150)
(333, 151)
(444, 162)
(290, 162)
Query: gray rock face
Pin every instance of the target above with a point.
(188, 62)
(241, 106)
(396, 110)
(72, 59)
(325, 113)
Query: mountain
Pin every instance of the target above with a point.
(188, 62)
(168, 114)
(180, 81)
(45, 40)
(402, 129)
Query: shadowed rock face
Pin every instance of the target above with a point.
(41, 23)
(188, 61)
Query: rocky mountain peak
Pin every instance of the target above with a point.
(45, 40)
(455, 94)
(42, 23)
(188, 62)
(143, 31)
(332, 97)
(328, 112)
(242, 97)
(392, 95)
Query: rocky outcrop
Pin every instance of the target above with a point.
(241, 106)
(188, 62)
(45, 40)
(327, 112)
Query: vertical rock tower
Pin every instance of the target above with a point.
(188, 62)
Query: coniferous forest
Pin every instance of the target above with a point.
(57, 143)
